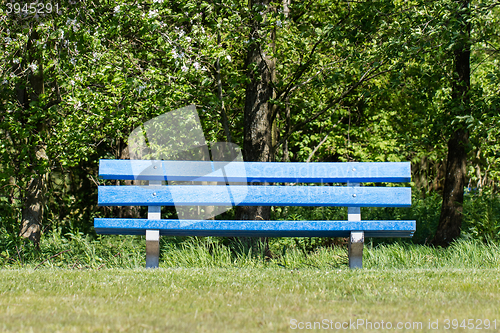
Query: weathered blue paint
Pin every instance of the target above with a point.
(235, 228)
(279, 172)
(258, 195)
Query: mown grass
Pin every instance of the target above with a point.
(205, 286)
(241, 299)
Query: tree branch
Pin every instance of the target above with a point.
(337, 100)
(303, 67)
(323, 141)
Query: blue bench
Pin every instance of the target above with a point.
(352, 195)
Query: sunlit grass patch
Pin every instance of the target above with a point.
(211, 299)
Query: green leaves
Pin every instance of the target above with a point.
(373, 78)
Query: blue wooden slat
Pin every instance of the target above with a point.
(234, 228)
(318, 172)
(258, 195)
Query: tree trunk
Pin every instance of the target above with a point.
(450, 220)
(32, 213)
(34, 197)
(258, 113)
(257, 142)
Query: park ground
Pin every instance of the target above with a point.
(202, 288)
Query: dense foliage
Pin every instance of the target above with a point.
(352, 81)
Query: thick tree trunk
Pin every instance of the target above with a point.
(257, 144)
(450, 220)
(32, 213)
(34, 197)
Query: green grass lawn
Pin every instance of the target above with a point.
(206, 288)
(244, 299)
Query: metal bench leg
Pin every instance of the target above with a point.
(152, 248)
(356, 241)
(357, 238)
(153, 236)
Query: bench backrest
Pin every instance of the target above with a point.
(234, 175)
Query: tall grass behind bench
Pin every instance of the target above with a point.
(77, 251)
